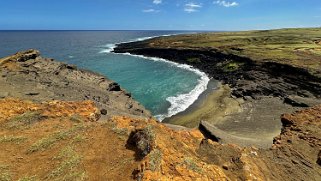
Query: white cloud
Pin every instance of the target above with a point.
(150, 11)
(226, 3)
(157, 1)
(192, 7)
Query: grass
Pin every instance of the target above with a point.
(47, 142)
(68, 169)
(5, 174)
(155, 159)
(297, 47)
(232, 66)
(79, 139)
(29, 178)
(24, 120)
(194, 60)
(76, 118)
(12, 139)
(191, 165)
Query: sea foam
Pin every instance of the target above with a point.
(108, 48)
(181, 102)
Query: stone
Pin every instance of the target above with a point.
(294, 102)
(129, 105)
(32, 93)
(319, 158)
(114, 87)
(103, 111)
(4, 94)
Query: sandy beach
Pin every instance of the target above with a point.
(244, 122)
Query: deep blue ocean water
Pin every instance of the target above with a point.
(163, 87)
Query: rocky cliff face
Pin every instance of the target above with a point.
(247, 77)
(65, 139)
(27, 75)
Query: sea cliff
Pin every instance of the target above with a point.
(58, 122)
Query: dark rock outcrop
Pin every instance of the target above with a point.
(114, 87)
(246, 77)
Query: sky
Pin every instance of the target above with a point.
(221, 15)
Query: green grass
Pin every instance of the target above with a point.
(12, 139)
(5, 174)
(155, 159)
(47, 142)
(79, 139)
(29, 178)
(76, 118)
(69, 167)
(191, 165)
(24, 120)
(297, 47)
(232, 66)
(194, 60)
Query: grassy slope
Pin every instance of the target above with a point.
(61, 141)
(297, 47)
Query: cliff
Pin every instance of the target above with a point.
(27, 75)
(53, 126)
(59, 140)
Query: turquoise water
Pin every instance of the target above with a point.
(163, 87)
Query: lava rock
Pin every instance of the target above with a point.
(114, 87)
(4, 94)
(294, 102)
(103, 111)
(32, 93)
(143, 141)
(319, 158)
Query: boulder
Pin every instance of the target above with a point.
(114, 87)
(103, 111)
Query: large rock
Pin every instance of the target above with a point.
(114, 87)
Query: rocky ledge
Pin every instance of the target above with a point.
(62, 140)
(27, 75)
(248, 78)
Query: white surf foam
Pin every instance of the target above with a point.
(181, 102)
(108, 48)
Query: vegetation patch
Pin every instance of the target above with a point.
(32, 178)
(5, 174)
(191, 165)
(68, 169)
(12, 139)
(79, 139)
(47, 142)
(76, 118)
(232, 66)
(24, 120)
(155, 159)
(194, 60)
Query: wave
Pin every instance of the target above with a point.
(109, 48)
(180, 102)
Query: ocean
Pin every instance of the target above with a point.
(163, 87)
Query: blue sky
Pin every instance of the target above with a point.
(158, 14)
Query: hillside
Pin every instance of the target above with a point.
(53, 126)
(60, 140)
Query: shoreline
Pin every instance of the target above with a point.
(176, 100)
(253, 97)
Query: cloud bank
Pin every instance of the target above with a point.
(226, 3)
(192, 7)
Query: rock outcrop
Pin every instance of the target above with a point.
(27, 75)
